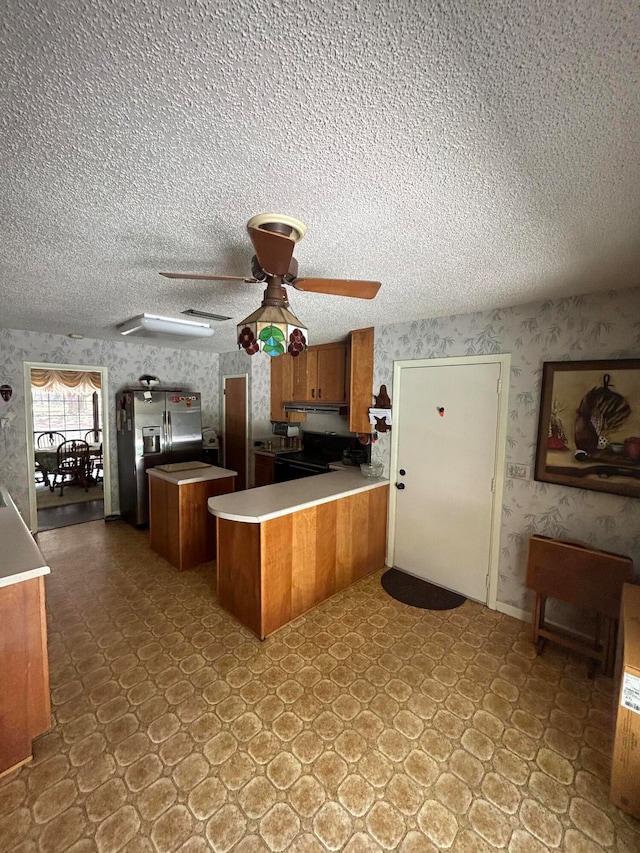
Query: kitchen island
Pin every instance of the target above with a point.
(25, 704)
(180, 528)
(284, 548)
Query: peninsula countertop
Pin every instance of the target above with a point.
(262, 504)
(180, 475)
(21, 559)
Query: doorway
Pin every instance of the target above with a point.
(236, 427)
(447, 466)
(67, 444)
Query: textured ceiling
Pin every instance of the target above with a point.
(469, 154)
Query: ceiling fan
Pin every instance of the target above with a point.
(273, 326)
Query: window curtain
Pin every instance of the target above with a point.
(83, 381)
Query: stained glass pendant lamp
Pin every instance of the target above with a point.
(272, 329)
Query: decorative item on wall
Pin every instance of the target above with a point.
(5, 392)
(589, 426)
(380, 412)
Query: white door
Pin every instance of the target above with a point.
(446, 424)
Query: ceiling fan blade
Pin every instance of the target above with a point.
(274, 251)
(201, 276)
(339, 287)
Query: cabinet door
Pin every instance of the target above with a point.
(264, 470)
(360, 380)
(304, 376)
(280, 385)
(281, 389)
(331, 368)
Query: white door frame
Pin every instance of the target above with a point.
(504, 360)
(244, 376)
(28, 405)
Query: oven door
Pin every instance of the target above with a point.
(289, 469)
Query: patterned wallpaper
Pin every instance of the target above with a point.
(196, 371)
(576, 328)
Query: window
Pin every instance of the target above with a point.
(68, 412)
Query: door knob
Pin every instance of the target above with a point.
(399, 485)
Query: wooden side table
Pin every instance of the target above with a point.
(586, 578)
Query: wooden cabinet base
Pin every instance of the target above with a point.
(271, 573)
(181, 528)
(25, 703)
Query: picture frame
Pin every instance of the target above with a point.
(589, 426)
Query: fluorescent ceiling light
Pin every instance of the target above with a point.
(151, 325)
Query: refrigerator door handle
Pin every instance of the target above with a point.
(169, 430)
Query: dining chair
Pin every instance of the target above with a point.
(46, 441)
(97, 461)
(49, 440)
(73, 465)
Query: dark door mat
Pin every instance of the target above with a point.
(419, 593)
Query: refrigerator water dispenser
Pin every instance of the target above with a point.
(151, 439)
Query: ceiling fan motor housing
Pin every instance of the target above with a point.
(279, 223)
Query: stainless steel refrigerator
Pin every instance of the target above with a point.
(153, 428)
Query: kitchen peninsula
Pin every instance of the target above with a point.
(284, 548)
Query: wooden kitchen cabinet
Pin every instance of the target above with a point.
(181, 528)
(360, 379)
(324, 373)
(281, 389)
(25, 704)
(319, 374)
(264, 470)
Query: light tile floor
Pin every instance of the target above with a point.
(365, 726)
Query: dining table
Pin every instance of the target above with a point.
(47, 459)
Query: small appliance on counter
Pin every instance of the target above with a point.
(355, 456)
(210, 439)
(285, 429)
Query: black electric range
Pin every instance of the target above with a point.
(319, 450)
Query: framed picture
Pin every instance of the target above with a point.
(589, 427)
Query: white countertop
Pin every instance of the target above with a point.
(20, 557)
(200, 474)
(267, 502)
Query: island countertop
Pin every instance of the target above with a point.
(179, 475)
(21, 559)
(267, 502)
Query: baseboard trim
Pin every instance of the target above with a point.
(516, 612)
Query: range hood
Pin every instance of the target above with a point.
(317, 408)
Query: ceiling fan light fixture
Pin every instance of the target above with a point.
(280, 224)
(272, 329)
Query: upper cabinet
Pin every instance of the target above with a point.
(282, 389)
(319, 374)
(327, 373)
(360, 379)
